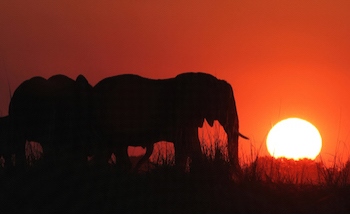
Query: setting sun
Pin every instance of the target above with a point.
(294, 138)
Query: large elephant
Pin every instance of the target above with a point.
(56, 113)
(136, 111)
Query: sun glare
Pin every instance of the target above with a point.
(294, 138)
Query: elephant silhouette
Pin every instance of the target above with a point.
(137, 111)
(57, 113)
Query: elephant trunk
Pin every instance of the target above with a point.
(232, 144)
(231, 127)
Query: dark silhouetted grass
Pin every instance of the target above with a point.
(267, 186)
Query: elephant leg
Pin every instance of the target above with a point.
(8, 156)
(149, 151)
(21, 160)
(233, 155)
(181, 151)
(8, 161)
(49, 154)
(20, 154)
(180, 155)
(195, 144)
(188, 144)
(101, 155)
(122, 159)
(194, 147)
(9, 150)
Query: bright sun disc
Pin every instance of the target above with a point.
(294, 138)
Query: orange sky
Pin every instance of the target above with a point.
(283, 58)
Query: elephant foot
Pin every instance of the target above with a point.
(122, 168)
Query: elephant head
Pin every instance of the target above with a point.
(72, 103)
(86, 121)
(205, 97)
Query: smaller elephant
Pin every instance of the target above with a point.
(55, 112)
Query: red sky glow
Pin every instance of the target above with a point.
(283, 58)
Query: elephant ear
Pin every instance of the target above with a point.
(219, 99)
(82, 82)
(225, 101)
(208, 112)
(212, 100)
(83, 94)
(84, 89)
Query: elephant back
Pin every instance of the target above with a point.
(131, 103)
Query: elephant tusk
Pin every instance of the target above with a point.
(241, 135)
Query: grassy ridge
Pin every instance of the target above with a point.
(162, 189)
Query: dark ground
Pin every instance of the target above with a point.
(163, 190)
